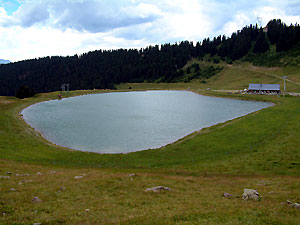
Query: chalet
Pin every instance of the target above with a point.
(264, 88)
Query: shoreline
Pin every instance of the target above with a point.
(185, 137)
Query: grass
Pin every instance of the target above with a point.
(113, 197)
(259, 151)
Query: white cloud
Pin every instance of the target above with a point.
(268, 13)
(66, 27)
(239, 21)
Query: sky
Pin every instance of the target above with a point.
(38, 28)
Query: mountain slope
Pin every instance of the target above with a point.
(103, 69)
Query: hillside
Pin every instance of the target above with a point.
(161, 64)
(231, 77)
(259, 151)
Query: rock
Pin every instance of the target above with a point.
(296, 205)
(8, 173)
(293, 204)
(87, 210)
(62, 188)
(27, 174)
(37, 224)
(132, 175)
(84, 175)
(78, 177)
(52, 172)
(227, 195)
(20, 183)
(36, 199)
(250, 194)
(39, 173)
(13, 189)
(4, 177)
(157, 189)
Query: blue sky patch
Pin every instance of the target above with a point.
(10, 6)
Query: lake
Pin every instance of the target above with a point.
(125, 122)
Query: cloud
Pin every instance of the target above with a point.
(178, 20)
(29, 14)
(93, 16)
(268, 13)
(65, 27)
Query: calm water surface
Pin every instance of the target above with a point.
(131, 121)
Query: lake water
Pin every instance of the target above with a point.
(131, 121)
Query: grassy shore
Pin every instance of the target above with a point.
(259, 151)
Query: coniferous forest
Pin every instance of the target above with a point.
(103, 69)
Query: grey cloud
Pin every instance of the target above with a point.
(27, 15)
(293, 8)
(31, 14)
(93, 16)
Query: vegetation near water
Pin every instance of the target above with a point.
(259, 151)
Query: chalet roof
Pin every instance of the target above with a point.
(264, 87)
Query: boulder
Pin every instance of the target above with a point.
(296, 205)
(132, 175)
(36, 200)
(250, 194)
(78, 177)
(227, 195)
(158, 188)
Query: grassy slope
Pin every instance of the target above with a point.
(198, 168)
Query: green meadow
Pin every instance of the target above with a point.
(259, 151)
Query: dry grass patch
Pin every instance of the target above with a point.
(111, 197)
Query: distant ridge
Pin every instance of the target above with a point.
(4, 61)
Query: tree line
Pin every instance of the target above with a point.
(102, 69)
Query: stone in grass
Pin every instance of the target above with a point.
(293, 204)
(4, 177)
(250, 194)
(289, 202)
(62, 188)
(158, 188)
(78, 177)
(296, 205)
(39, 173)
(13, 189)
(36, 199)
(227, 195)
(37, 224)
(132, 175)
